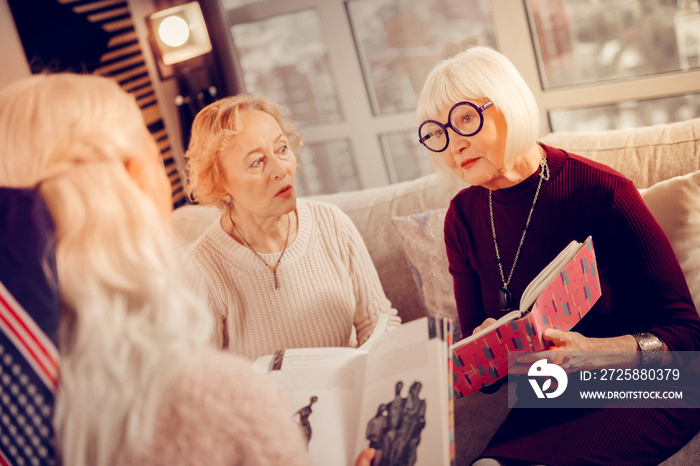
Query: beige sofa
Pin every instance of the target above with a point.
(402, 227)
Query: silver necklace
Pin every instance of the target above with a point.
(273, 268)
(504, 295)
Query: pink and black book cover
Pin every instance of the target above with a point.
(564, 301)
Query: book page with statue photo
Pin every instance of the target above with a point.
(393, 395)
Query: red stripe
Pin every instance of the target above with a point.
(41, 346)
(36, 359)
(3, 459)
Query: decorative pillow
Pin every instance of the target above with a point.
(190, 221)
(646, 155)
(423, 243)
(675, 204)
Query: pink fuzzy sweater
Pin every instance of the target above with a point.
(217, 411)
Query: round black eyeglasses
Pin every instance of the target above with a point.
(465, 119)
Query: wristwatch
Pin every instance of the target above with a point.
(652, 349)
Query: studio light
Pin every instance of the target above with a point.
(174, 31)
(180, 33)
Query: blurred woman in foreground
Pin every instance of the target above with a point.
(138, 383)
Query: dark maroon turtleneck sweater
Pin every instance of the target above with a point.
(643, 290)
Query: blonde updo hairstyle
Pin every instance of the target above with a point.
(126, 319)
(213, 131)
(481, 73)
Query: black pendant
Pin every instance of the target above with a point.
(504, 299)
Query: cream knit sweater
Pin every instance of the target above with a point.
(329, 292)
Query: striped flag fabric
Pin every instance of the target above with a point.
(29, 311)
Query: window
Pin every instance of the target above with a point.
(404, 156)
(627, 114)
(628, 55)
(231, 4)
(399, 42)
(285, 57)
(350, 71)
(584, 41)
(326, 167)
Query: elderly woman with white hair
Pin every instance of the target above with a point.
(526, 202)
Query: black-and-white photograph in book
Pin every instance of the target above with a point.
(392, 395)
(302, 418)
(394, 432)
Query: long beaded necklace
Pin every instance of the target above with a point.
(273, 268)
(504, 295)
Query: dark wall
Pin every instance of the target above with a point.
(87, 36)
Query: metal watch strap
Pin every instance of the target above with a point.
(651, 347)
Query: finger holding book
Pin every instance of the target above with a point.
(366, 457)
(487, 323)
(524, 361)
(574, 352)
(557, 298)
(595, 353)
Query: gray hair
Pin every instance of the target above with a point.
(482, 73)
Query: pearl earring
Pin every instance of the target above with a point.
(228, 199)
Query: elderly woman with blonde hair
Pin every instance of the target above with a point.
(138, 381)
(277, 272)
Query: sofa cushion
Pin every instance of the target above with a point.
(189, 222)
(371, 211)
(422, 241)
(675, 204)
(645, 155)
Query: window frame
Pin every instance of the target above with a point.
(513, 38)
(516, 41)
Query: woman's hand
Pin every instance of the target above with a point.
(574, 352)
(571, 351)
(366, 457)
(483, 325)
(568, 341)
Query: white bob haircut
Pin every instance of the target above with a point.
(482, 73)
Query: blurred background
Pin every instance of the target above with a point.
(350, 71)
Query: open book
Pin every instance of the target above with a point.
(559, 296)
(393, 394)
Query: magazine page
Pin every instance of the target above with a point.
(323, 388)
(405, 412)
(263, 364)
(379, 330)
